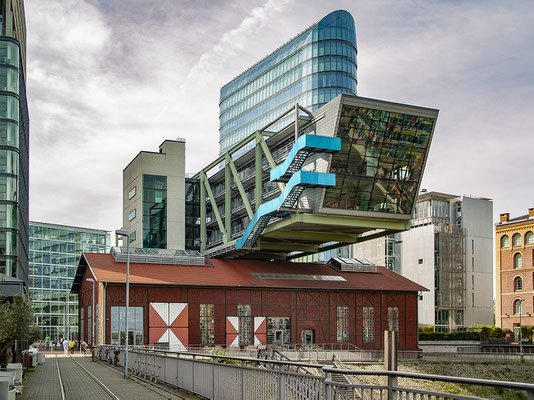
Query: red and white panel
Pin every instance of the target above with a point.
(260, 331)
(232, 332)
(169, 323)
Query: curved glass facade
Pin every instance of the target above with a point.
(311, 69)
(13, 162)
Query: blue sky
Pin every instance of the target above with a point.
(108, 78)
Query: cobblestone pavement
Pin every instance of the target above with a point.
(43, 382)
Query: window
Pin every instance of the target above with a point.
(342, 324)
(368, 316)
(393, 319)
(518, 284)
(132, 192)
(131, 215)
(135, 325)
(207, 324)
(89, 326)
(473, 246)
(472, 282)
(278, 330)
(82, 320)
(516, 240)
(505, 242)
(529, 238)
(518, 260)
(132, 237)
(518, 307)
(245, 320)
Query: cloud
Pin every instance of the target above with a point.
(106, 81)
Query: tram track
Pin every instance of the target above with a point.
(73, 381)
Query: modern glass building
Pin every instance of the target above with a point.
(14, 137)
(311, 69)
(54, 255)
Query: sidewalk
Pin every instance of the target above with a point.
(43, 382)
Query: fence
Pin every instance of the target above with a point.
(225, 377)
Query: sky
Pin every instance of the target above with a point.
(109, 78)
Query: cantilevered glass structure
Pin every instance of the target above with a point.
(346, 173)
(311, 69)
(54, 255)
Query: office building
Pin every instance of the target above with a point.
(448, 250)
(311, 69)
(154, 197)
(178, 301)
(514, 303)
(54, 255)
(14, 142)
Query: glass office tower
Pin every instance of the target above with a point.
(54, 255)
(14, 137)
(311, 69)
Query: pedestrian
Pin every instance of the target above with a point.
(54, 342)
(83, 346)
(47, 341)
(72, 343)
(65, 346)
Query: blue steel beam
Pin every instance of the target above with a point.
(303, 147)
(295, 186)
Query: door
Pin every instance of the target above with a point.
(308, 337)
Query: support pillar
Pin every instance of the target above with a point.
(390, 362)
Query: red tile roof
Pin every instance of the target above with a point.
(237, 273)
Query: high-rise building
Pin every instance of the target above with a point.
(54, 255)
(154, 197)
(14, 138)
(514, 238)
(311, 69)
(449, 251)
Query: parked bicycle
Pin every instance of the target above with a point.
(116, 351)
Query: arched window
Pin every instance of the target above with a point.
(518, 307)
(518, 260)
(529, 238)
(516, 240)
(518, 284)
(505, 242)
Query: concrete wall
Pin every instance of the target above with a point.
(477, 216)
(418, 244)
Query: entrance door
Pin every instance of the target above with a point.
(308, 337)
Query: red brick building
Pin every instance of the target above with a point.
(244, 302)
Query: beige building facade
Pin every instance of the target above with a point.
(154, 197)
(514, 239)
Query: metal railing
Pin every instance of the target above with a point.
(218, 376)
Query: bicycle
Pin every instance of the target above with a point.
(116, 351)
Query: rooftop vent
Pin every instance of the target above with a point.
(160, 256)
(352, 264)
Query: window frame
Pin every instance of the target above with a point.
(518, 284)
(134, 212)
(517, 238)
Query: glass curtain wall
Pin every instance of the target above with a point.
(380, 162)
(154, 211)
(13, 163)
(54, 254)
(311, 69)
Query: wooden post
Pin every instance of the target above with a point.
(390, 362)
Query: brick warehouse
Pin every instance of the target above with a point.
(244, 302)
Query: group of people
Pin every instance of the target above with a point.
(66, 344)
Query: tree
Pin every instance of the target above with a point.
(16, 323)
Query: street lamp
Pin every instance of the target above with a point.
(122, 232)
(92, 314)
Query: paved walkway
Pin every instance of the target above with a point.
(43, 382)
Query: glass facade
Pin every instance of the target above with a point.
(155, 211)
(13, 162)
(192, 214)
(54, 254)
(380, 162)
(311, 69)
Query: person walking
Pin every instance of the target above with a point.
(47, 342)
(72, 343)
(83, 346)
(65, 346)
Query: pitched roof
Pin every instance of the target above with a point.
(239, 273)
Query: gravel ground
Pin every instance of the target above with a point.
(515, 372)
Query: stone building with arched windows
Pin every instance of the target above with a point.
(514, 238)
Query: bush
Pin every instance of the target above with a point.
(459, 335)
(475, 332)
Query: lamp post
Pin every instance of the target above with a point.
(92, 314)
(520, 333)
(122, 232)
